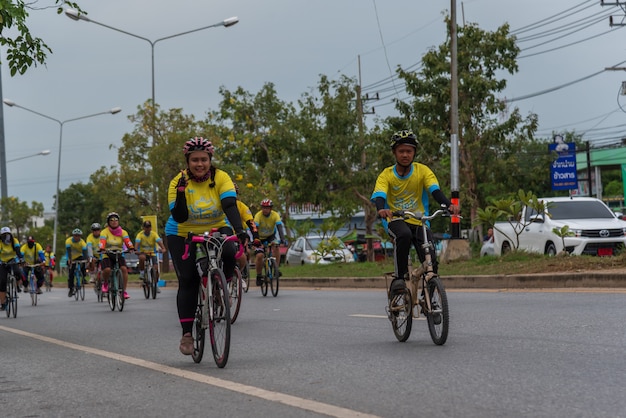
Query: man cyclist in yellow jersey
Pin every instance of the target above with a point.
(50, 261)
(148, 242)
(9, 250)
(32, 253)
(76, 249)
(113, 237)
(93, 241)
(246, 219)
(267, 222)
(405, 186)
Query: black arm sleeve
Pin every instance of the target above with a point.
(441, 198)
(179, 211)
(229, 206)
(380, 203)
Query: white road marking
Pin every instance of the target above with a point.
(294, 401)
(421, 318)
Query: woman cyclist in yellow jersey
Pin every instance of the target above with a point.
(200, 198)
(93, 242)
(9, 250)
(113, 237)
(148, 243)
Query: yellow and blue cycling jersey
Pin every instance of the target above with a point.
(92, 245)
(408, 192)
(33, 255)
(75, 249)
(9, 251)
(50, 258)
(267, 224)
(204, 204)
(109, 241)
(147, 243)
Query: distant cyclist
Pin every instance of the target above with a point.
(76, 249)
(32, 253)
(93, 241)
(406, 186)
(148, 243)
(253, 234)
(50, 261)
(9, 251)
(113, 237)
(268, 222)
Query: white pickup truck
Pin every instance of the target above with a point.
(595, 229)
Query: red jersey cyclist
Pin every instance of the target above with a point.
(268, 222)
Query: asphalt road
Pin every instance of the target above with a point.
(311, 353)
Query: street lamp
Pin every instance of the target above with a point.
(44, 152)
(112, 111)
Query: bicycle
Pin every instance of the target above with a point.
(46, 279)
(115, 291)
(245, 275)
(79, 279)
(271, 275)
(32, 283)
(235, 292)
(11, 297)
(151, 281)
(97, 281)
(425, 293)
(212, 311)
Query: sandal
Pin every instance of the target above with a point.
(186, 344)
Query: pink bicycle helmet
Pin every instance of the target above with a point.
(198, 144)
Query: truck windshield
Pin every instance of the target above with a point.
(579, 210)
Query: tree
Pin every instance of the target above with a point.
(80, 205)
(23, 49)
(18, 214)
(490, 134)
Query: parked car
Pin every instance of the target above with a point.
(132, 263)
(304, 250)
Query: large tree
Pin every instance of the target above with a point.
(490, 133)
(18, 214)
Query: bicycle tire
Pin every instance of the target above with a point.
(198, 331)
(46, 280)
(97, 288)
(146, 284)
(219, 321)
(112, 291)
(120, 290)
(9, 295)
(245, 277)
(12, 305)
(78, 281)
(274, 277)
(234, 289)
(265, 279)
(154, 281)
(32, 284)
(81, 290)
(439, 317)
(401, 315)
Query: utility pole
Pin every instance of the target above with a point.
(622, 5)
(454, 121)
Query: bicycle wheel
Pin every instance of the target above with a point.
(111, 293)
(81, 289)
(154, 281)
(274, 277)
(97, 288)
(265, 279)
(219, 319)
(119, 290)
(12, 291)
(32, 287)
(46, 280)
(234, 289)
(198, 332)
(401, 315)
(147, 283)
(245, 277)
(78, 281)
(438, 317)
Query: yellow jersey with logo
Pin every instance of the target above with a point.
(409, 192)
(147, 243)
(33, 255)
(267, 224)
(7, 251)
(108, 241)
(92, 245)
(204, 204)
(75, 249)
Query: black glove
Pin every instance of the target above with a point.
(182, 182)
(243, 237)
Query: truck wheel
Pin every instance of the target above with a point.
(506, 248)
(550, 249)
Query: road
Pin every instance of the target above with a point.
(310, 353)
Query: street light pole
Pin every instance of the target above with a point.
(112, 111)
(44, 152)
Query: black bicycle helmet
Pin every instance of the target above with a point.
(403, 137)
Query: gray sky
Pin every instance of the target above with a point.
(288, 43)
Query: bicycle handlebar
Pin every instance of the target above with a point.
(405, 214)
(199, 239)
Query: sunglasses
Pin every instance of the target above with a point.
(114, 219)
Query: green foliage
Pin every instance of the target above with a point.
(24, 50)
(18, 215)
(563, 232)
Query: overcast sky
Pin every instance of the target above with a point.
(289, 43)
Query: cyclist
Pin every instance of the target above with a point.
(200, 198)
(113, 237)
(253, 234)
(405, 186)
(267, 222)
(76, 249)
(148, 242)
(9, 250)
(32, 253)
(93, 241)
(50, 261)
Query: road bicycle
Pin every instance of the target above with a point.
(46, 278)
(32, 283)
(115, 291)
(151, 279)
(11, 297)
(425, 293)
(97, 281)
(213, 309)
(235, 290)
(271, 275)
(79, 279)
